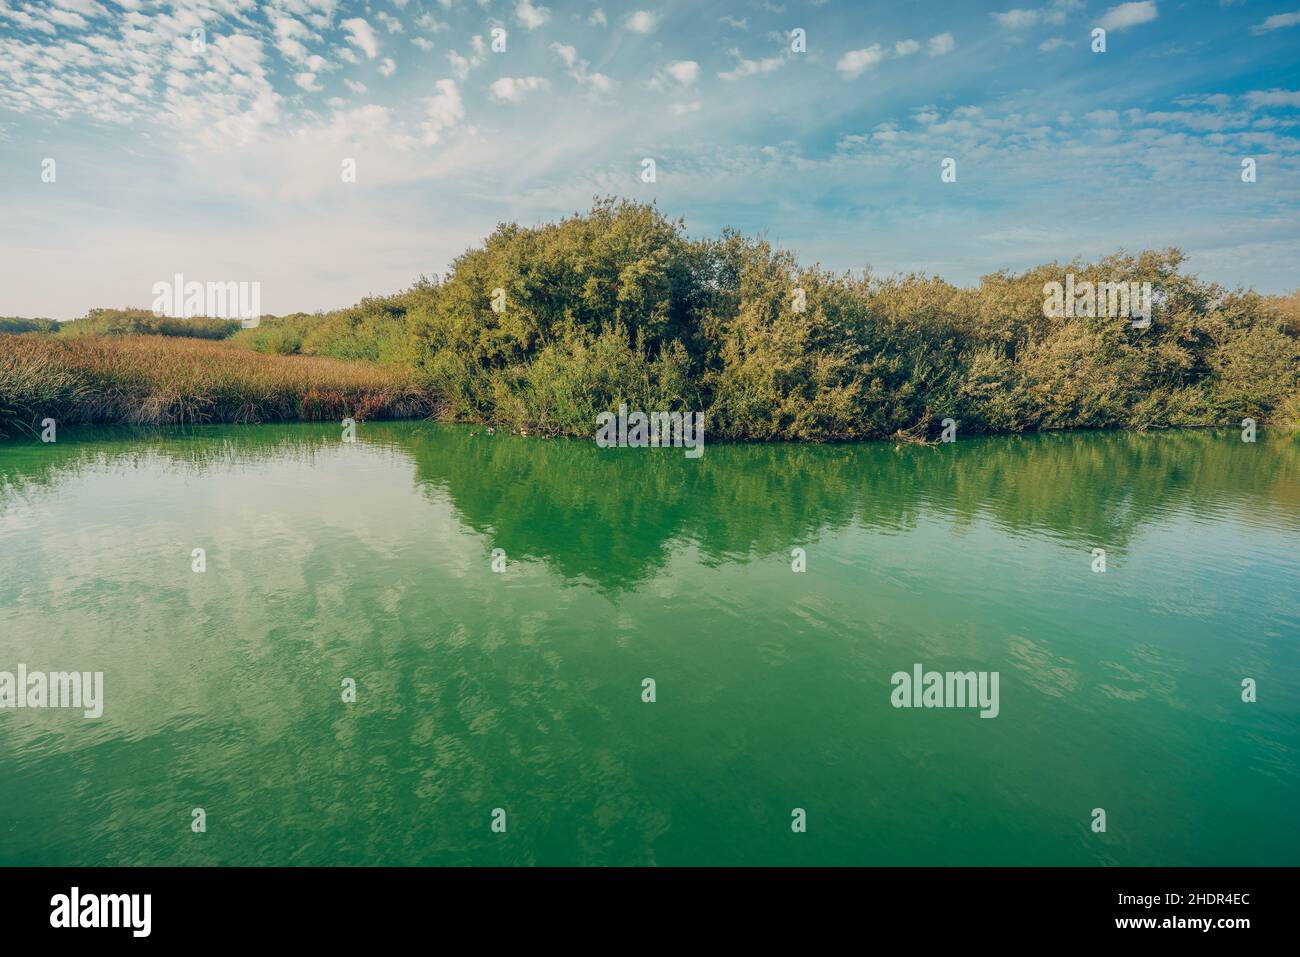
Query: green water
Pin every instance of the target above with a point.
(522, 690)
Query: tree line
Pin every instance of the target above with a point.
(544, 327)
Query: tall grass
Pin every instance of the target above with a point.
(154, 380)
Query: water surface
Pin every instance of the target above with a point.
(522, 690)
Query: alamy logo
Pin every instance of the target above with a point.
(1087, 300)
(639, 430)
(952, 689)
(103, 910)
(55, 689)
(215, 300)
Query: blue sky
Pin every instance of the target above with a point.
(225, 164)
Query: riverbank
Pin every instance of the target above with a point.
(154, 380)
(171, 380)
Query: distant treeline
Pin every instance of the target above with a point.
(618, 306)
(126, 322)
(16, 324)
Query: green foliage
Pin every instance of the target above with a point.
(571, 381)
(275, 336)
(16, 324)
(618, 305)
(143, 322)
(374, 330)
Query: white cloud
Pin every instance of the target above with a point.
(684, 72)
(356, 86)
(941, 44)
(1266, 98)
(576, 67)
(462, 65)
(1129, 15)
(530, 16)
(643, 21)
(65, 18)
(1276, 22)
(1022, 18)
(25, 19)
(427, 21)
(289, 35)
(1016, 19)
(362, 36)
(293, 50)
(308, 82)
(569, 54)
(1060, 8)
(422, 43)
(510, 89)
(680, 108)
(442, 111)
(1218, 101)
(388, 66)
(906, 47)
(856, 62)
(750, 67)
(1054, 43)
(239, 52)
(597, 18)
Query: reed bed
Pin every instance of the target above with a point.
(155, 380)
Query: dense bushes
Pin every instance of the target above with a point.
(373, 330)
(618, 306)
(125, 322)
(15, 324)
(142, 322)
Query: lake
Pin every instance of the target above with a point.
(521, 689)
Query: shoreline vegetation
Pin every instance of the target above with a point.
(153, 380)
(541, 329)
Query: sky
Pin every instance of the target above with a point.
(227, 158)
